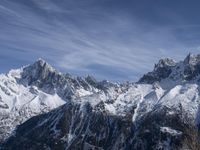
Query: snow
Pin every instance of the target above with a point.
(15, 73)
(70, 137)
(138, 96)
(82, 92)
(111, 109)
(171, 131)
(145, 97)
(18, 100)
(17, 96)
(136, 109)
(185, 95)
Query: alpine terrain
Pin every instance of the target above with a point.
(43, 109)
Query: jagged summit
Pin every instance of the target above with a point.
(161, 70)
(41, 63)
(100, 115)
(44, 76)
(192, 59)
(166, 62)
(186, 70)
(40, 60)
(37, 72)
(35, 89)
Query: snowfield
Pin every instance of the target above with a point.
(38, 88)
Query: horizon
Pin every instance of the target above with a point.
(85, 75)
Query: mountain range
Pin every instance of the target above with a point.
(42, 108)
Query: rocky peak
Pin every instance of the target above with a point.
(37, 72)
(186, 70)
(42, 64)
(47, 79)
(91, 80)
(40, 61)
(163, 63)
(191, 66)
(161, 71)
(192, 59)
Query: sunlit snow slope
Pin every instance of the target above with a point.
(163, 102)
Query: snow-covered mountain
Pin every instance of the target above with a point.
(160, 111)
(35, 89)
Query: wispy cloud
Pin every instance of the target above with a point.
(109, 39)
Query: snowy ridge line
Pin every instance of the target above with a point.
(39, 88)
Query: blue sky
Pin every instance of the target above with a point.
(110, 39)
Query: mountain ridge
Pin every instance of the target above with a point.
(163, 102)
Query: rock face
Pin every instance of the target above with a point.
(74, 127)
(160, 111)
(161, 71)
(36, 89)
(189, 69)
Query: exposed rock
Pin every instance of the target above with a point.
(161, 71)
(74, 127)
(161, 111)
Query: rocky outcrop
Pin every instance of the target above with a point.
(159, 112)
(46, 78)
(161, 71)
(188, 70)
(36, 89)
(80, 127)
